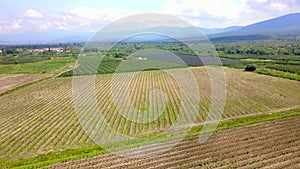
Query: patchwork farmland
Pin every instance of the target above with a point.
(40, 118)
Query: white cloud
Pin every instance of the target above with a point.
(88, 13)
(105, 14)
(91, 19)
(261, 1)
(279, 6)
(61, 25)
(84, 23)
(269, 9)
(222, 13)
(206, 13)
(17, 24)
(33, 14)
(216, 8)
(43, 27)
(202, 13)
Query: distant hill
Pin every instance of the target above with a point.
(283, 23)
(240, 38)
(281, 26)
(219, 30)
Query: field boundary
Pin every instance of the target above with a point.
(90, 151)
(278, 73)
(229, 118)
(25, 85)
(51, 75)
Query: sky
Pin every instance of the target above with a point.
(17, 16)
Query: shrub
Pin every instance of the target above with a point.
(250, 68)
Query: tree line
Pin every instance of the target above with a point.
(263, 49)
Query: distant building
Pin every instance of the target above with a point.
(47, 49)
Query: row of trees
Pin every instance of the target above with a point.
(265, 49)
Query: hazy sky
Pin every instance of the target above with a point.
(87, 15)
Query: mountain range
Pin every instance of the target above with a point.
(287, 25)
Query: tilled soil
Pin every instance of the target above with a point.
(272, 144)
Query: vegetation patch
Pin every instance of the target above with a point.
(48, 66)
(278, 73)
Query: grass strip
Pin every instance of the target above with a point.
(278, 73)
(90, 151)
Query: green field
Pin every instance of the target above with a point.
(109, 65)
(47, 66)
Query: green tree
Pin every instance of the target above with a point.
(250, 68)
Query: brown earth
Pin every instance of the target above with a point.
(11, 81)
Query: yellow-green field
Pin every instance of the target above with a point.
(41, 118)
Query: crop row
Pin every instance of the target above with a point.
(265, 144)
(41, 118)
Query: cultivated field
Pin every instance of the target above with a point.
(41, 118)
(272, 144)
(11, 81)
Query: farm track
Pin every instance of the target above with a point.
(41, 118)
(270, 144)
